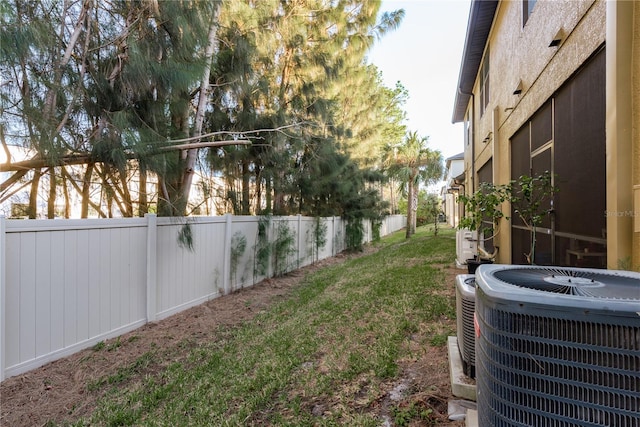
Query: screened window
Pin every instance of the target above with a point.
(484, 84)
(580, 163)
(566, 136)
(485, 174)
(467, 130)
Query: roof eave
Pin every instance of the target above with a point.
(481, 15)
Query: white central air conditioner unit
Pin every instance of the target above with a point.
(465, 307)
(466, 245)
(557, 346)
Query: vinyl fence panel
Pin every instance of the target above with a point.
(242, 254)
(66, 285)
(189, 276)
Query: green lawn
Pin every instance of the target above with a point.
(320, 357)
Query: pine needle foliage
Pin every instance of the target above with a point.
(115, 85)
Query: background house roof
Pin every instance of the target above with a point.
(454, 167)
(459, 156)
(480, 19)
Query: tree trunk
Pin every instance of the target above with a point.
(51, 202)
(192, 154)
(143, 203)
(412, 206)
(164, 198)
(246, 194)
(33, 195)
(409, 210)
(258, 173)
(127, 203)
(109, 204)
(65, 189)
(278, 201)
(86, 191)
(268, 195)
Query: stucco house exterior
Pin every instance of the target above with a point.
(454, 169)
(554, 85)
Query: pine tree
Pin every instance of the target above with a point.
(125, 90)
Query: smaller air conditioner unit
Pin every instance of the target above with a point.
(465, 307)
(466, 245)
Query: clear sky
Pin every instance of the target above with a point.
(424, 54)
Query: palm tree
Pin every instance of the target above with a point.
(412, 162)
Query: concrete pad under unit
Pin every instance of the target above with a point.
(472, 418)
(461, 385)
(460, 265)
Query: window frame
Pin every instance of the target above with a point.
(484, 83)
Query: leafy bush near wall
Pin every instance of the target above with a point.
(185, 236)
(376, 227)
(262, 248)
(283, 248)
(354, 235)
(319, 235)
(238, 246)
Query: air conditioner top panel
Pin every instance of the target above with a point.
(562, 286)
(466, 285)
(468, 279)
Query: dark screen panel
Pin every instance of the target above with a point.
(543, 255)
(578, 253)
(541, 129)
(580, 151)
(520, 160)
(541, 164)
(485, 173)
(520, 243)
(575, 116)
(520, 153)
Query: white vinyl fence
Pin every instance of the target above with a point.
(66, 285)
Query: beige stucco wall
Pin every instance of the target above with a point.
(523, 54)
(623, 192)
(451, 209)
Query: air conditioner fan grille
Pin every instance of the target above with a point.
(572, 282)
(551, 371)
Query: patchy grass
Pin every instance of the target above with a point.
(325, 355)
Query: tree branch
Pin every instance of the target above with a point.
(80, 159)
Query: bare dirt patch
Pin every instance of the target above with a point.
(68, 389)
